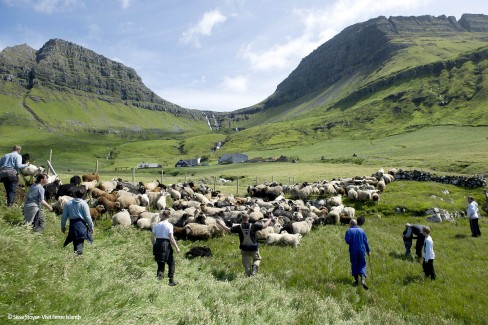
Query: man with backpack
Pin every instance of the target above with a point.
(247, 241)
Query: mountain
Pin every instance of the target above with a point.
(367, 57)
(64, 67)
(378, 78)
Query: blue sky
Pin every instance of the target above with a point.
(218, 55)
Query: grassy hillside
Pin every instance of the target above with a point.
(114, 282)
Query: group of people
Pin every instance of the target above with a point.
(76, 210)
(81, 228)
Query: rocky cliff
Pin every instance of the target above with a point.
(63, 65)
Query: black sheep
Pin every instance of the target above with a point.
(199, 251)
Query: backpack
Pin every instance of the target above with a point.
(246, 236)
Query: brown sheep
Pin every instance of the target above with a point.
(109, 206)
(90, 177)
(97, 211)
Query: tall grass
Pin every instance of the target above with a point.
(114, 281)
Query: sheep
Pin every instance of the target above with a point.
(108, 186)
(51, 189)
(352, 194)
(97, 211)
(381, 185)
(58, 206)
(161, 202)
(334, 201)
(90, 177)
(153, 197)
(302, 227)
(364, 195)
(347, 215)
(96, 192)
(68, 189)
(147, 220)
(175, 194)
(109, 205)
(126, 200)
(89, 185)
(109, 196)
(263, 233)
(199, 232)
(283, 238)
(152, 185)
(121, 218)
(136, 210)
(334, 215)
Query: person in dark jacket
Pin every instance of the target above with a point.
(357, 240)
(410, 232)
(247, 241)
(163, 241)
(33, 214)
(80, 222)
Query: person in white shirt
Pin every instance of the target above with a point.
(163, 241)
(473, 215)
(429, 256)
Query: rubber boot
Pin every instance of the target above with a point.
(356, 280)
(363, 282)
(248, 272)
(254, 270)
(172, 282)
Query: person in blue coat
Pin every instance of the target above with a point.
(358, 248)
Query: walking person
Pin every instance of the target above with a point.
(248, 244)
(357, 240)
(411, 232)
(80, 222)
(473, 216)
(33, 214)
(9, 170)
(429, 256)
(163, 241)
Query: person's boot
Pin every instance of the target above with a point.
(248, 271)
(172, 282)
(254, 270)
(363, 282)
(356, 280)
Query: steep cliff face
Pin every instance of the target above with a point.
(63, 65)
(363, 48)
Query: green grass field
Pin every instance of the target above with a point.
(114, 282)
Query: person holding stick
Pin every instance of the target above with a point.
(357, 240)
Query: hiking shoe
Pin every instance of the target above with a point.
(172, 283)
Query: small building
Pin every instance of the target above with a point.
(144, 165)
(233, 158)
(188, 162)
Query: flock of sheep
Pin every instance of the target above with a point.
(195, 208)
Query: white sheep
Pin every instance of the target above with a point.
(161, 202)
(199, 231)
(283, 239)
(136, 210)
(302, 227)
(121, 218)
(147, 220)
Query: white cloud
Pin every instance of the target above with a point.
(236, 84)
(125, 4)
(319, 25)
(204, 28)
(51, 6)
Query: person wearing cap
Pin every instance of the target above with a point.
(9, 169)
(163, 241)
(357, 240)
(473, 215)
(248, 243)
(429, 256)
(410, 232)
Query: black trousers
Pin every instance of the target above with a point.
(78, 245)
(419, 245)
(475, 228)
(429, 268)
(171, 267)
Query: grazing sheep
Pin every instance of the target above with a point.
(126, 200)
(97, 212)
(334, 201)
(152, 185)
(334, 215)
(381, 185)
(121, 218)
(96, 192)
(352, 194)
(89, 185)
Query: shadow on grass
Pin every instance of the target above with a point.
(460, 236)
(223, 275)
(402, 256)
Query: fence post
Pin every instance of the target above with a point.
(215, 181)
(237, 190)
(133, 174)
(162, 173)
